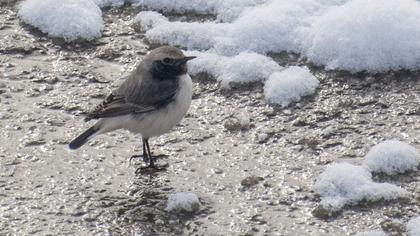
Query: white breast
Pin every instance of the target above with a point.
(161, 121)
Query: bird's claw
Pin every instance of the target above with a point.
(151, 168)
(145, 158)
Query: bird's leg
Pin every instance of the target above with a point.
(149, 154)
(146, 156)
(151, 164)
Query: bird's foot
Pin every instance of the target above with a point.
(145, 158)
(151, 168)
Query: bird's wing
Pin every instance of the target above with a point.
(136, 96)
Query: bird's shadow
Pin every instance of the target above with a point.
(143, 209)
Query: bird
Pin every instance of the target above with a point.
(150, 102)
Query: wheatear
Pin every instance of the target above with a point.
(152, 100)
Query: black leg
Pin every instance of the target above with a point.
(146, 156)
(149, 154)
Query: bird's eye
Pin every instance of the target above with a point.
(167, 60)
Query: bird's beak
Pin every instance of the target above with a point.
(189, 58)
(184, 60)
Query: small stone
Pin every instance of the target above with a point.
(235, 124)
(35, 142)
(159, 222)
(392, 226)
(108, 53)
(9, 65)
(258, 219)
(217, 171)
(46, 88)
(261, 138)
(232, 124)
(15, 89)
(251, 180)
(311, 142)
(300, 122)
(269, 111)
(323, 212)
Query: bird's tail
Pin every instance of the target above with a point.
(83, 138)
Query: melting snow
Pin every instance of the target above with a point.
(183, 201)
(109, 3)
(346, 184)
(392, 157)
(413, 226)
(69, 19)
(225, 10)
(149, 19)
(245, 67)
(340, 34)
(372, 35)
(290, 85)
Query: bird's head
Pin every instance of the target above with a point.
(168, 61)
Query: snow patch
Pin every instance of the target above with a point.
(68, 19)
(371, 36)
(194, 35)
(290, 85)
(413, 226)
(149, 19)
(226, 10)
(109, 3)
(264, 28)
(243, 68)
(392, 157)
(183, 201)
(346, 184)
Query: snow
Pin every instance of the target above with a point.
(392, 157)
(290, 85)
(413, 226)
(267, 27)
(346, 184)
(372, 233)
(149, 19)
(182, 201)
(68, 19)
(352, 35)
(109, 3)
(226, 10)
(188, 35)
(372, 35)
(243, 68)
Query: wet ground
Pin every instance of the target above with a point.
(251, 164)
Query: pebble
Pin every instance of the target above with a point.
(237, 123)
(394, 227)
(261, 138)
(251, 180)
(217, 171)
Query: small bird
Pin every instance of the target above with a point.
(153, 99)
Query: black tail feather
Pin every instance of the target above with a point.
(83, 138)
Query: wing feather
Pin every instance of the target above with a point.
(136, 96)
